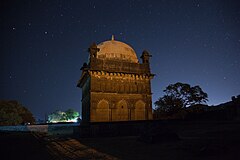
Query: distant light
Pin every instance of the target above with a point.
(70, 120)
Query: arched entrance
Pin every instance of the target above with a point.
(121, 111)
(140, 110)
(102, 111)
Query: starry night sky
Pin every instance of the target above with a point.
(44, 44)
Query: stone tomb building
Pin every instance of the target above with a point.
(115, 86)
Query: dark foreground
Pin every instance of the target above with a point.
(208, 141)
(22, 145)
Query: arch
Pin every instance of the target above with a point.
(140, 110)
(102, 111)
(121, 111)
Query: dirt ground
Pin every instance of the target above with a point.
(218, 141)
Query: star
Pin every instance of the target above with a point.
(178, 35)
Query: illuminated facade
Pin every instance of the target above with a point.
(115, 86)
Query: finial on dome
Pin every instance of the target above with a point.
(112, 37)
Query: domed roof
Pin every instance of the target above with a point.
(116, 50)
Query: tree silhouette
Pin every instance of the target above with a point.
(14, 113)
(179, 96)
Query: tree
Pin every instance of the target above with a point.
(179, 96)
(169, 104)
(71, 114)
(14, 113)
(57, 116)
(68, 116)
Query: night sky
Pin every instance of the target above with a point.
(44, 43)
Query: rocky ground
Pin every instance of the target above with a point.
(219, 141)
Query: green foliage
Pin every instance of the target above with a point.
(71, 114)
(59, 116)
(178, 96)
(13, 113)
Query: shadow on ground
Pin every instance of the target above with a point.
(208, 141)
(220, 141)
(22, 145)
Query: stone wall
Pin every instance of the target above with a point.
(119, 66)
(137, 128)
(45, 128)
(120, 82)
(120, 107)
(112, 89)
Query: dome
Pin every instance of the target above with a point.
(116, 50)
